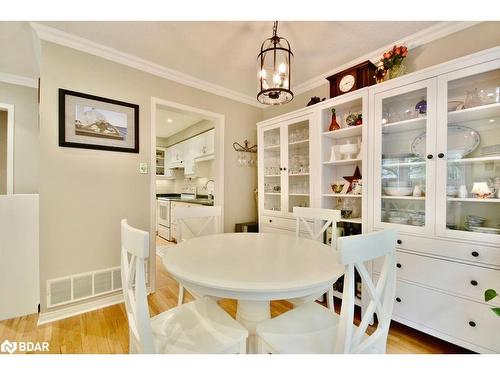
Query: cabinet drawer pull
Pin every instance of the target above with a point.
(473, 282)
(475, 254)
(398, 265)
(399, 242)
(398, 299)
(472, 323)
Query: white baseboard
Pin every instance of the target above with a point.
(80, 308)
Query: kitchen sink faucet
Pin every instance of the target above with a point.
(210, 195)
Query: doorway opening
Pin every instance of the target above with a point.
(187, 167)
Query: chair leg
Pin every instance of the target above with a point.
(329, 299)
(180, 300)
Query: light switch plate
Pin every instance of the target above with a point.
(143, 168)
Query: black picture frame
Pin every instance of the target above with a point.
(63, 142)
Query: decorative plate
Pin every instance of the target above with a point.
(461, 142)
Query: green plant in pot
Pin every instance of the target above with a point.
(488, 296)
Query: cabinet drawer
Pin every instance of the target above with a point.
(282, 222)
(264, 228)
(459, 250)
(464, 279)
(466, 320)
(164, 232)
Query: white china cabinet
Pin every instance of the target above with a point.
(162, 161)
(436, 174)
(430, 166)
(284, 158)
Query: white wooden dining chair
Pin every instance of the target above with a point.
(199, 327)
(312, 328)
(195, 222)
(322, 219)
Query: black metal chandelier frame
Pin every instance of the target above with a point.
(274, 92)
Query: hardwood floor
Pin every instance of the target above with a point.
(106, 330)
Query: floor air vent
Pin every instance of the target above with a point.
(75, 288)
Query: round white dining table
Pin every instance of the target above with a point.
(253, 268)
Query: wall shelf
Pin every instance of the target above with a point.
(352, 131)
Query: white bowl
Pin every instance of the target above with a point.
(398, 191)
(398, 183)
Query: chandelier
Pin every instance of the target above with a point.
(275, 59)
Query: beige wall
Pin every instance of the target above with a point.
(26, 142)
(85, 193)
(3, 152)
(473, 39)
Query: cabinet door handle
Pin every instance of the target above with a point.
(430, 156)
(284, 169)
(398, 299)
(440, 155)
(475, 254)
(270, 221)
(472, 323)
(398, 265)
(473, 282)
(399, 242)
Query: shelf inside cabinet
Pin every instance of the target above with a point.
(303, 142)
(272, 193)
(298, 174)
(475, 113)
(481, 200)
(403, 197)
(475, 160)
(273, 147)
(272, 175)
(298, 194)
(351, 131)
(343, 162)
(405, 125)
(343, 195)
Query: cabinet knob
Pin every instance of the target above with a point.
(475, 254)
(473, 282)
(270, 221)
(398, 299)
(440, 155)
(472, 323)
(284, 169)
(398, 265)
(430, 156)
(399, 242)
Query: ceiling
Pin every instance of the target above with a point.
(178, 121)
(222, 53)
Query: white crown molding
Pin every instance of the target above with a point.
(18, 80)
(419, 38)
(53, 35)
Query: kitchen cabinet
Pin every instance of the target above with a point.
(163, 156)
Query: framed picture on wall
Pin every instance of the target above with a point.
(93, 122)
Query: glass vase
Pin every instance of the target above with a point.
(397, 71)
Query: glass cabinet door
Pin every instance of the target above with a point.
(298, 177)
(469, 153)
(272, 168)
(404, 164)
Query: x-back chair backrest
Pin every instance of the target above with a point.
(327, 218)
(135, 250)
(197, 221)
(353, 252)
